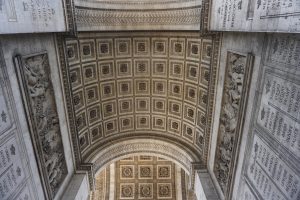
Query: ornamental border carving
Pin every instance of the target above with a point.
(216, 41)
(206, 4)
(67, 93)
(70, 16)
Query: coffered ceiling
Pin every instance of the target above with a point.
(150, 85)
(141, 177)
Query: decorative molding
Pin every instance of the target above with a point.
(134, 2)
(215, 51)
(206, 4)
(89, 19)
(68, 93)
(70, 17)
(237, 81)
(38, 95)
(138, 5)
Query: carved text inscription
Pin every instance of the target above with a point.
(11, 170)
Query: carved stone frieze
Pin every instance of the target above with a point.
(238, 69)
(39, 98)
(91, 19)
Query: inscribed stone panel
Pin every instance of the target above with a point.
(29, 16)
(256, 15)
(271, 167)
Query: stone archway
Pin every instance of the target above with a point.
(179, 155)
(109, 159)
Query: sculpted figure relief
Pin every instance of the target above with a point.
(233, 88)
(41, 103)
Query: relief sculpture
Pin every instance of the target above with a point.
(230, 118)
(34, 75)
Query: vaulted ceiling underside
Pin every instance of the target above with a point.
(140, 85)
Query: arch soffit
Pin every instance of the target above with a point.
(131, 147)
(184, 167)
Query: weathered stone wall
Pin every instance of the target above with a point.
(17, 135)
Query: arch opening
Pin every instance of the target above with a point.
(180, 156)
